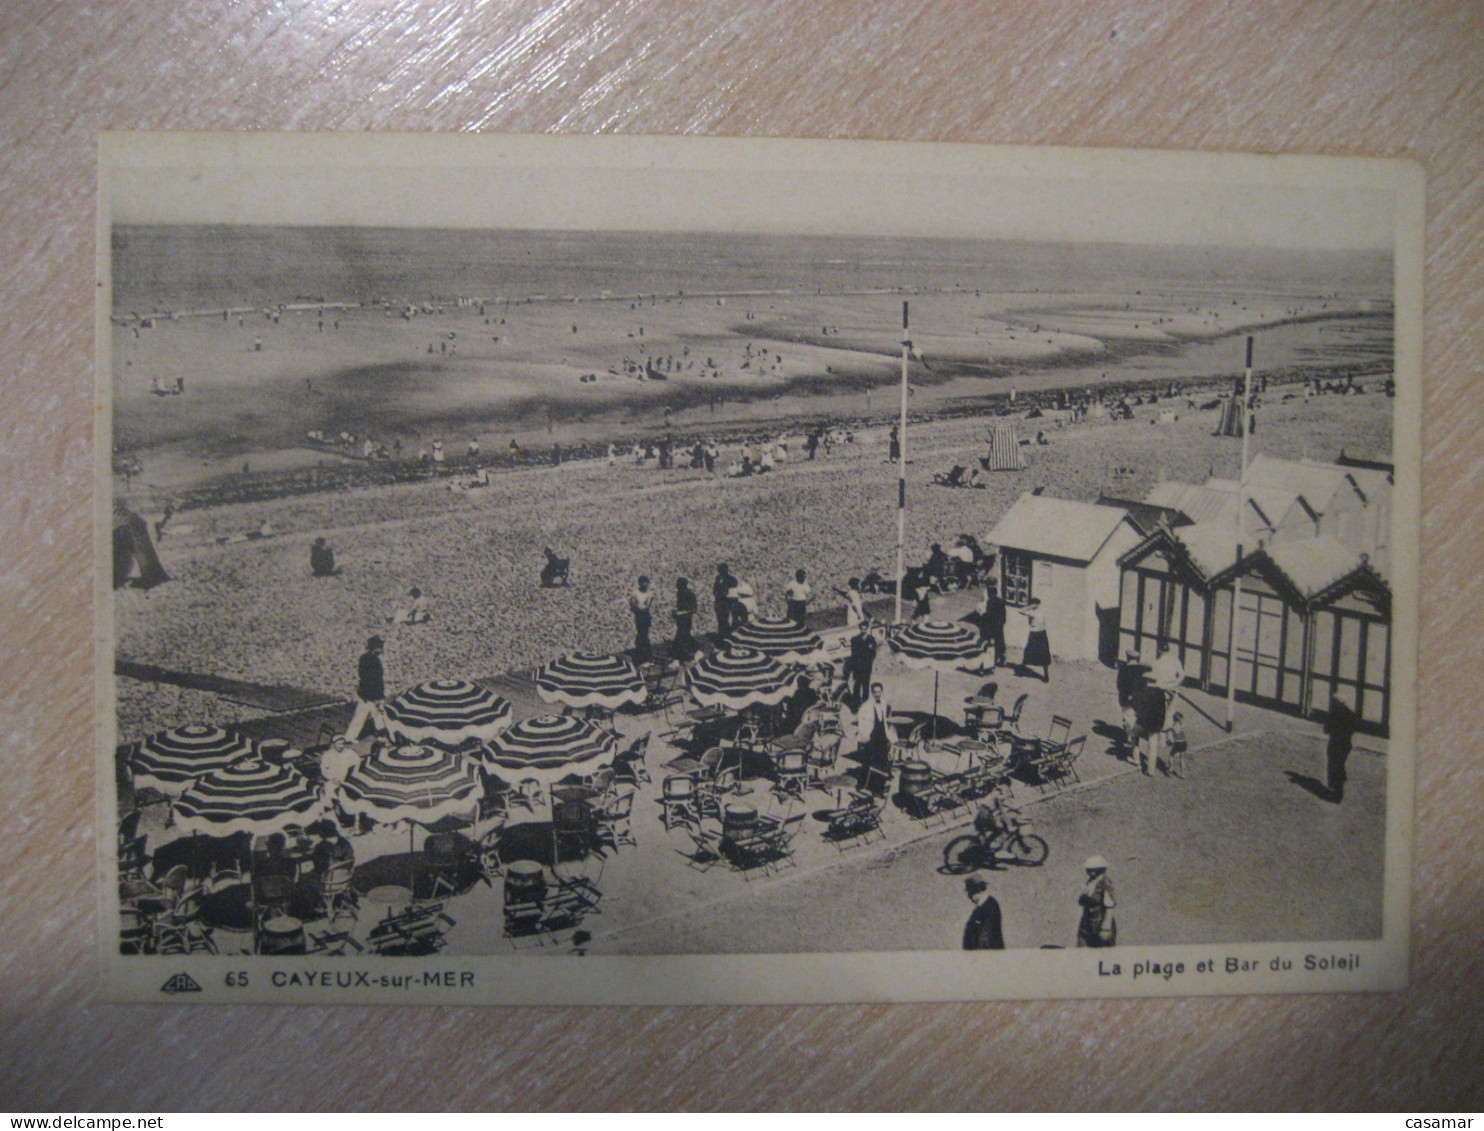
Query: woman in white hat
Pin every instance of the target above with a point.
(1099, 926)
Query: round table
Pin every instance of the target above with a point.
(282, 934)
(839, 783)
(390, 895)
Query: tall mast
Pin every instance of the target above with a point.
(902, 469)
(1231, 659)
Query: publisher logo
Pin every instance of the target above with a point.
(181, 984)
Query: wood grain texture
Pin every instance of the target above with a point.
(1378, 79)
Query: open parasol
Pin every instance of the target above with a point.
(249, 796)
(779, 637)
(587, 679)
(171, 760)
(739, 677)
(447, 711)
(549, 747)
(937, 645)
(422, 784)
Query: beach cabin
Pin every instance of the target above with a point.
(1065, 555)
(1313, 619)
(1352, 505)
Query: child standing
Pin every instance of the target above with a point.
(1175, 745)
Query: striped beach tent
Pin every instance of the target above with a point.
(249, 796)
(171, 760)
(423, 784)
(587, 679)
(779, 637)
(1004, 449)
(447, 711)
(1232, 418)
(739, 677)
(550, 747)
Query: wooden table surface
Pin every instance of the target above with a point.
(1379, 79)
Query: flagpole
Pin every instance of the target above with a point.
(1231, 658)
(902, 471)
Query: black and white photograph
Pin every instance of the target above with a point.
(617, 570)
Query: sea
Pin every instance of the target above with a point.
(185, 268)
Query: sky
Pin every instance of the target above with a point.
(612, 183)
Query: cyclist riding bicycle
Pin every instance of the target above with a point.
(997, 816)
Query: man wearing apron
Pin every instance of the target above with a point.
(874, 752)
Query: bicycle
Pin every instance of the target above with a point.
(997, 830)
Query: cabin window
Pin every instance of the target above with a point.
(1015, 576)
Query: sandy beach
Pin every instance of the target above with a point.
(249, 609)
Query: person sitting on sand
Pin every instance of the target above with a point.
(415, 612)
(555, 571)
(322, 559)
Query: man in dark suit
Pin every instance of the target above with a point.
(983, 930)
(721, 592)
(370, 691)
(858, 667)
(992, 622)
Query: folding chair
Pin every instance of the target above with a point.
(1059, 732)
(1062, 764)
(331, 943)
(629, 767)
(781, 841)
(855, 823)
(706, 850)
(132, 857)
(487, 856)
(615, 821)
(942, 797)
(136, 933)
(1010, 725)
(180, 930)
(414, 932)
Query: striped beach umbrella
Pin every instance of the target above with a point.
(739, 677)
(937, 645)
(447, 711)
(779, 637)
(171, 760)
(423, 784)
(549, 747)
(587, 679)
(249, 796)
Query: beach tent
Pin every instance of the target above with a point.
(1231, 418)
(1004, 449)
(134, 556)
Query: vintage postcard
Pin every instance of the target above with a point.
(625, 570)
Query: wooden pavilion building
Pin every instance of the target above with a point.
(1314, 618)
